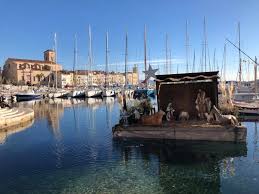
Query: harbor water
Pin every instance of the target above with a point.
(69, 148)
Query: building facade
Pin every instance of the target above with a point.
(32, 72)
(83, 78)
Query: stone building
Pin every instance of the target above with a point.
(65, 79)
(82, 78)
(32, 72)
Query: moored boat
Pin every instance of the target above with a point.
(27, 96)
(93, 92)
(108, 92)
(245, 108)
(77, 93)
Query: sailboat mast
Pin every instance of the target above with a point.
(239, 52)
(106, 59)
(90, 55)
(187, 46)
(205, 43)
(193, 64)
(56, 59)
(255, 76)
(145, 49)
(75, 59)
(225, 62)
(126, 59)
(170, 61)
(166, 53)
(214, 60)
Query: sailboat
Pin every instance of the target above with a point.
(246, 97)
(127, 90)
(91, 91)
(76, 92)
(107, 92)
(56, 93)
(146, 91)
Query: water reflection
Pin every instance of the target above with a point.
(70, 149)
(184, 167)
(255, 142)
(4, 134)
(53, 110)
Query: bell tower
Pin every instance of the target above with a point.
(50, 55)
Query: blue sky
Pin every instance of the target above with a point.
(27, 28)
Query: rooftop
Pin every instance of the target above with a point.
(30, 61)
(187, 76)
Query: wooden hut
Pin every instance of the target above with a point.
(182, 89)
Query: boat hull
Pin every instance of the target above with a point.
(78, 94)
(108, 93)
(93, 93)
(27, 97)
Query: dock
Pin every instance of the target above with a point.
(196, 131)
(11, 117)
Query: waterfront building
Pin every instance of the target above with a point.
(83, 78)
(32, 72)
(65, 79)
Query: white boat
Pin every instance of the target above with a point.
(93, 92)
(245, 97)
(29, 95)
(108, 92)
(58, 94)
(77, 93)
(245, 108)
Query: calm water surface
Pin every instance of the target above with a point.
(69, 149)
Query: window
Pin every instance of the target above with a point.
(34, 78)
(22, 78)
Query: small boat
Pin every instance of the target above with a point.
(30, 95)
(245, 108)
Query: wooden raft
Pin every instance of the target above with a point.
(187, 131)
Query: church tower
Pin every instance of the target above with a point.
(50, 55)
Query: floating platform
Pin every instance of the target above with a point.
(11, 117)
(197, 131)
